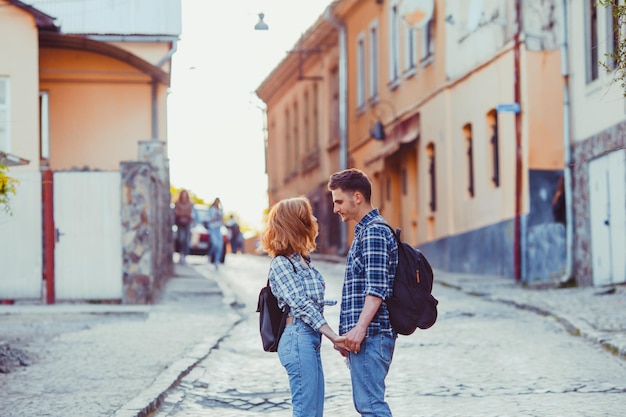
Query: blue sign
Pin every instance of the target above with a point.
(508, 108)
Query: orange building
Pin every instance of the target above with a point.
(456, 117)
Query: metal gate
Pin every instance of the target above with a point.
(607, 201)
(88, 249)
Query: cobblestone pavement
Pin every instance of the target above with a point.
(89, 360)
(197, 352)
(484, 357)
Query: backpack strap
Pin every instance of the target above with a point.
(395, 233)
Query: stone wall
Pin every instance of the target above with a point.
(147, 237)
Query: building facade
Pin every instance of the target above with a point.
(460, 114)
(83, 91)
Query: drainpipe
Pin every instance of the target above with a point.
(155, 124)
(50, 233)
(155, 89)
(343, 104)
(567, 173)
(518, 146)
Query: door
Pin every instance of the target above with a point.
(607, 204)
(88, 251)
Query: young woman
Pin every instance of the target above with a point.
(183, 218)
(289, 239)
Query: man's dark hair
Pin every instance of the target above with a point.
(351, 180)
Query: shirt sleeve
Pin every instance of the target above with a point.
(289, 288)
(376, 257)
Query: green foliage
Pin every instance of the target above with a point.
(616, 62)
(174, 191)
(8, 189)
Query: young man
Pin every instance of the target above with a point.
(370, 270)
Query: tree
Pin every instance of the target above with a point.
(617, 59)
(8, 186)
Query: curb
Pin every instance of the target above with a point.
(573, 326)
(150, 399)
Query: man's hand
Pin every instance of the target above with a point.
(354, 338)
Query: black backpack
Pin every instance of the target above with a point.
(412, 304)
(272, 319)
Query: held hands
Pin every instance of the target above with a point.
(339, 344)
(353, 340)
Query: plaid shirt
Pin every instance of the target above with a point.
(370, 270)
(303, 290)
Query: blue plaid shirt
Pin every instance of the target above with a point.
(370, 270)
(303, 290)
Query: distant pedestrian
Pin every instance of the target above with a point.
(234, 235)
(370, 270)
(289, 239)
(182, 218)
(215, 222)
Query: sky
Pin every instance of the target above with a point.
(215, 121)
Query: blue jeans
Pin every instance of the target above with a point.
(217, 246)
(299, 353)
(368, 370)
(183, 240)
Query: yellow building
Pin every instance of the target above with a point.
(83, 91)
(460, 113)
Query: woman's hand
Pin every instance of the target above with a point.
(339, 344)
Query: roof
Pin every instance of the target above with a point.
(42, 20)
(113, 17)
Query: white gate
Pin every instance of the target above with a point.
(88, 251)
(21, 242)
(607, 206)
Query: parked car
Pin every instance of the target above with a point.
(199, 235)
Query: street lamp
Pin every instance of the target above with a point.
(261, 25)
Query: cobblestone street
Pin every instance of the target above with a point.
(498, 349)
(482, 358)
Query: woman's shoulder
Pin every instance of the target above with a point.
(284, 260)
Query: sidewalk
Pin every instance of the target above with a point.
(595, 313)
(110, 360)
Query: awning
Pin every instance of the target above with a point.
(404, 132)
(12, 160)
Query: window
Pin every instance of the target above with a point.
(592, 41)
(296, 136)
(373, 84)
(394, 45)
(428, 42)
(613, 34)
(430, 150)
(492, 121)
(288, 158)
(410, 50)
(360, 74)
(467, 133)
(405, 181)
(307, 127)
(44, 134)
(316, 118)
(335, 127)
(5, 117)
